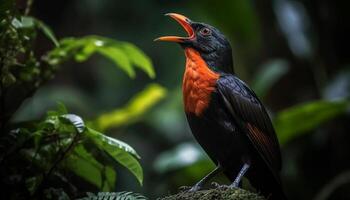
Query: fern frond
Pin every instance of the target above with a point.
(114, 196)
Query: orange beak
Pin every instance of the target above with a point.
(185, 23)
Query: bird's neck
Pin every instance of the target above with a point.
(198, 83)
(219, 61)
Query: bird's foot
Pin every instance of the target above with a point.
(189, 188)
(184, 188)
(215, 184)
(195, 188)
(221, 187)
(235, 184)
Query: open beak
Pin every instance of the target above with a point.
(185, 23)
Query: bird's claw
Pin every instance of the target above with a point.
(184, 188)
(194, 188)
(234, 185)
(223, 187)
(215, 184)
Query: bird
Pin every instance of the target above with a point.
(224, 114)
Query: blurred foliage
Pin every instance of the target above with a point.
(337, 182)
(339, 86)
(184, 155)
(46, 158)
(294, 121)
(122, 54)
(21, 70)
(309, 111)
(137, 106)
(294, 54)
(62, 142)
(269, 74)
(30, 22)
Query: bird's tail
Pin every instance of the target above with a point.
(267, 184)
(272, 189)
(277, 195)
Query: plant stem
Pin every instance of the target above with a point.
(29, 6)
(55, 164)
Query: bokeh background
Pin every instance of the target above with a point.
(291, 52)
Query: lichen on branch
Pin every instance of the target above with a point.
(220, 193)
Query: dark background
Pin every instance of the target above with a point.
(309, 39)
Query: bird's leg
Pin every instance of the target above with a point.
(240, 175)
(200, 184)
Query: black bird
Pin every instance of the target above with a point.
(226, 117)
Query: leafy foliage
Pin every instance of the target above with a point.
(119, 151)
(16, 37)
(138, 105)
(184, 155)
(62, 141)
(122, 54)
(46, 158)
(114, 196)
(299, 119)
(22, 72)
(186, 163)
(269, 74)
(30, 22)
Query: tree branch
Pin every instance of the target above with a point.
(220, 193)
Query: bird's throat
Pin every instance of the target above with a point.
(198, 83)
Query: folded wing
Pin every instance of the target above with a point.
(252, 118)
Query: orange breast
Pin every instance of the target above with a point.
(198, 83)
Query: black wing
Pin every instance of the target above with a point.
(248, 111)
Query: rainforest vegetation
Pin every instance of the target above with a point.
(91, 107)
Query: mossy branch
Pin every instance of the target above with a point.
(220, 193)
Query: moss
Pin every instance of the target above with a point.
(219, 193)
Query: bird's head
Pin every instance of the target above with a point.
(212, 45)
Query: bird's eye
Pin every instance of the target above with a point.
(205, 31)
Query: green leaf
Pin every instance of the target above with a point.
(183, 155)
(85, 166)
(87, 50)
(51, 122)
(76, 121)
(137, 106)
(45, 29)
(8, 79)
(139, 59)
(119, 151)
(299, 119)
(60, 110)
(16, 23)
(37, 137)
(5, 7)
(27, 22)
(122, 54)
(23, 22)
(32, 183)
(109, 179)
(269, 74)
(101, 139)
(119, 58)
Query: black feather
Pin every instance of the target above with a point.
(247, 108)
